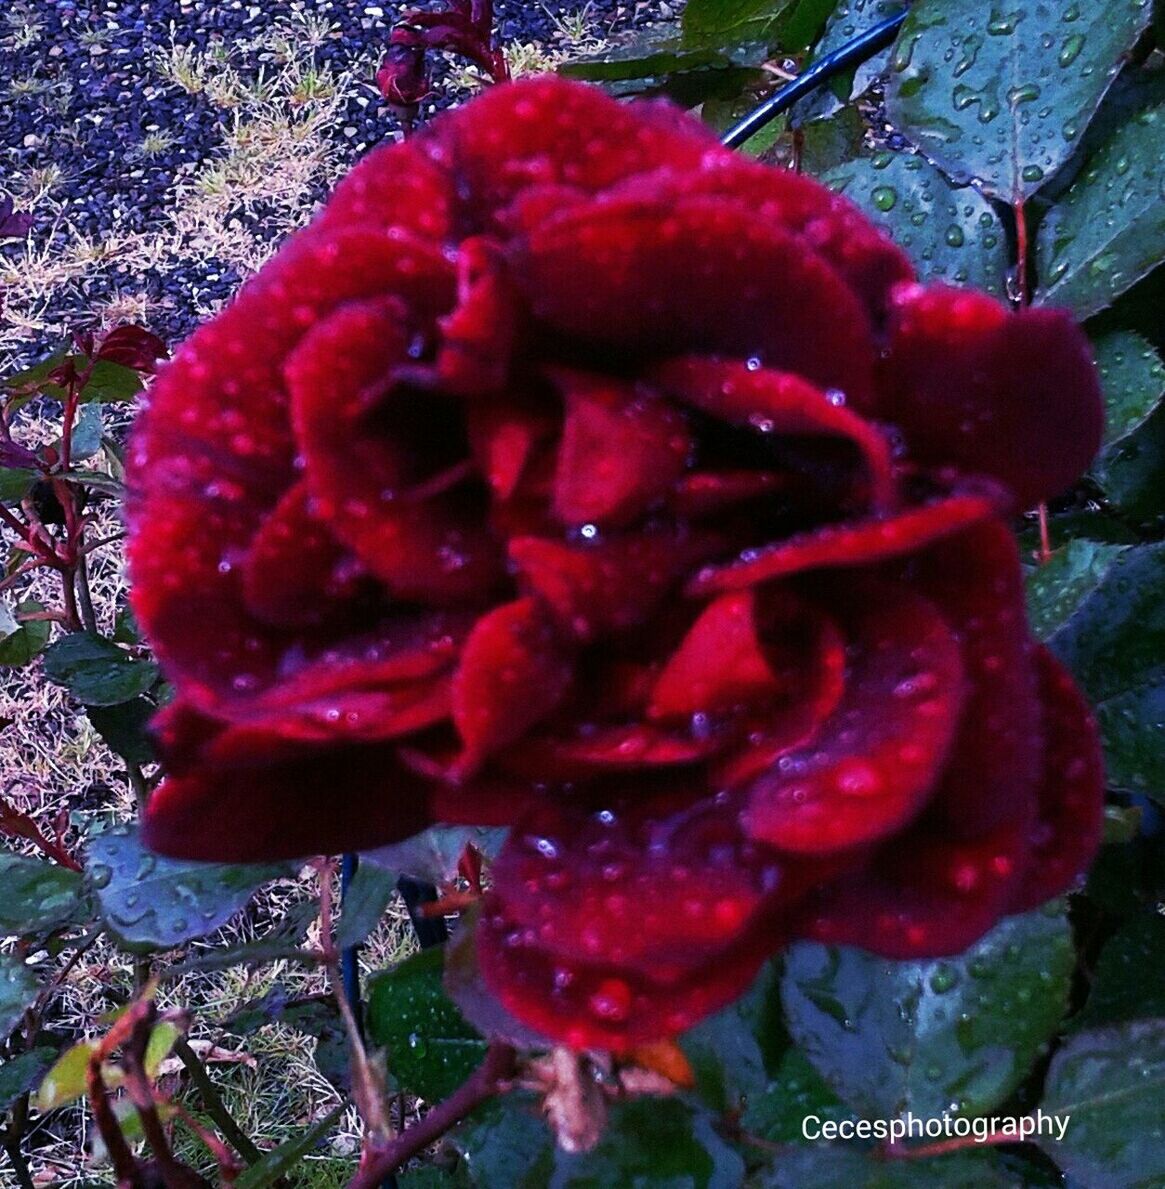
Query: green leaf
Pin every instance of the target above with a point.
(281, 1160)
(1110, 1082)
(850, 19)
(725, 1052)
(800, 23)
(1056, 589)
(1132, 474)
(1132, 378)
(950, 234)
(720, 23)
(797, 1092)
(14, 483)
(653, 1144)
(154, 902)
(38, 896)
(828, 143)
(1108, 230)
(999, 92)
(65, 1081)
(431, 1049)
(506, 1143)
(365, 900)
(20, 1074)
(824, 1167)
(648, 56)
(96, 671)
(891, 1037)
(24, 641)
(18, 988)
(1120, 989)
(111, 382)
(1114, 644)
(124, 728)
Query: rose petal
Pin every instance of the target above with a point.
(296, 574)
(924, 895)
(343, 378)
(241, 800)
(477, 339)
(213, 453)
(612, 584)
(547, 132)
(854, 543)
(1012, 394)
(621, 926)
(513, 673)
(721, 664)
(975, 581)
(1070, 793)
(776, 402)
(879, 755)
(763, 293)
(704, 493)
(620, 453)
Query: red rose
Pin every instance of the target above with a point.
(573, 473)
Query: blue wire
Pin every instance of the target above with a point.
(850, 54)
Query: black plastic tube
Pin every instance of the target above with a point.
(851, 54)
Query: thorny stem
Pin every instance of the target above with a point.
(491, 1078)
(1045, 551)
(212, 1101)
(84, 594)
(141, 1093)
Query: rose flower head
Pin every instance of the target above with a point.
(574, 474)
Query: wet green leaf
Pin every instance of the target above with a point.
(951, 234)
(1132, 473)
(1132, 378)
(18, 989)
(431, 1048)
(999, 92)
(1120, 989)
(653, 1144)
(1114, 644)
(1108, 230)
(152, 902)
(798, 1091)
(38, 896)
(850, 19)
(956, 1034)
(824, 1167)
(725, 1052)
(1056, 589)
(25, 639)
(1111, 1084)
(87, 431)
(96, 671)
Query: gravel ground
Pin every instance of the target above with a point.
(165, 145)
